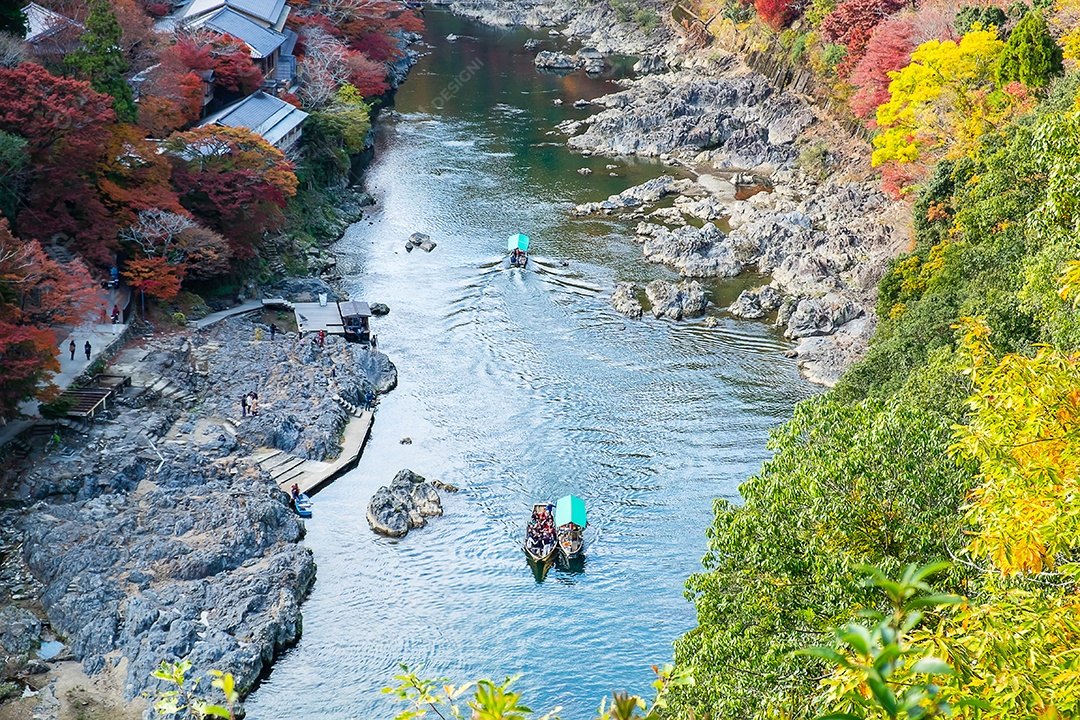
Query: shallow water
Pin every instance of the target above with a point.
(520, 386)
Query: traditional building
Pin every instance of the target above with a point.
(276, 120)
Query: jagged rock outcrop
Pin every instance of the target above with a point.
(685, 300)
(694, 252)
(556, 61)
(756, 303)
(624, 299)
(404, 504)
(647, 193)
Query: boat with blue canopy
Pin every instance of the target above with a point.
(518, 245)
(570, 524)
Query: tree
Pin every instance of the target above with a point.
(777, 14)
(154, 276)
(11, 19)
(1030, 56)
(37, 295)
(14, 162)
(66, 126)
(940, 101)
(888, 50)
(366, 75)
(323, 67)
(985, 17)
(852, 23)
(194, 250)
(100, 59)
(233, 180)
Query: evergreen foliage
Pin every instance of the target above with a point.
(1030, 56)
(11, 18)
(101, 59)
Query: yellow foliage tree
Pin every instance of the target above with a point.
(944, 100)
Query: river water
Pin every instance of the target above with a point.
(519, 386)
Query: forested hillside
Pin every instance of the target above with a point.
(955, 439)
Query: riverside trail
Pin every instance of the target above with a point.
(520, 386)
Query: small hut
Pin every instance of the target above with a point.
(356, 320)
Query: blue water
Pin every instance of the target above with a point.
(520, 386)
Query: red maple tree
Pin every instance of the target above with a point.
(852, 23)
(889, 49)
(38, 296)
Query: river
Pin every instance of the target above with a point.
(520, 386)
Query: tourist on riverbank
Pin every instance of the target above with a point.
(273, 331)
(254, 403)
(243, 405)
(322, 338)
(71, 347)
(87, 349)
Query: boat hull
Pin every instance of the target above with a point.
(570, 541)
(302, 505)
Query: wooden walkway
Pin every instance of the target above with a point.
(312, 475)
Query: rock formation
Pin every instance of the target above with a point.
(403, 505)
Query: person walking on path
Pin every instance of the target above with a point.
(374, 344)
(115, 314)
(87, 349)
(71, 347)
(322, 338)
(243, 405)
(273, 331)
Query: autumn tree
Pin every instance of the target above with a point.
(777, 14)
(153, 276)
(100, 59)
(37, 297)
(66, 126)
(233, 180)
(193, 250)
(366, 75)
(1030, 56)
(888, 50)
(852, 23)
(944, 100)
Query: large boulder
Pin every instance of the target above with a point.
(685, 300)
(756, 303)
(821, 316)
(692, 252)
(20, 632)
(405, 504)
(625, 301)
(557, 61)
(591, 59)
(422, 241)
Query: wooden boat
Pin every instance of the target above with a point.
(537, 548)
(518, 245)
(570, 524)
(303, 504)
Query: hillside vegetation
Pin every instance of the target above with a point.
(956, 438)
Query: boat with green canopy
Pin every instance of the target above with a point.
(570, 524)
(518, 245)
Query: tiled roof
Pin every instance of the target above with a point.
(42, 22)
(268, 11)
(262, 41)
(263, 114)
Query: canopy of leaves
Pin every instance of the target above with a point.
(1030, 56)
(100, 59)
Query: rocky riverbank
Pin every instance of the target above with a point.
(779, 188)
(152, 534)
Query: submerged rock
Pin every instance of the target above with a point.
(403, 505)
(592, 60)
(380, 309)
(685, 300)
(625, 301)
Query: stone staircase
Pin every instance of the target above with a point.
(169, 391)
(285, 468)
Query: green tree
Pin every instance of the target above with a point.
(101, 60)
(1030, 56)
(11, 17)
(14, 162)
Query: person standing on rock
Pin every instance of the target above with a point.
(273, 331)
(322, 338)
(71, 347)
(243, 405)
(87, 349)
(374, 344)
(254, 403)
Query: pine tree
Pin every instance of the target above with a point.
(101, 59)
(1031, 56)
(11, 18)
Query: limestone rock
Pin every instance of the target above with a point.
(756, 303)
(422, 241)
(625, 301)
(405, 504)
(685, 300)
(557, 61)
(379, 309)
(693, 252)
(821, 316)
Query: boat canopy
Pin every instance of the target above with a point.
(518, 242)
(570, 509)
